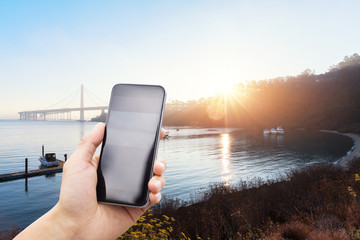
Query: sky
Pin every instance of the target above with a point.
(192, 48)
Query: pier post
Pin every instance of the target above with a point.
(65, 157)
(26, 166)
(42, 150)
(26, 184)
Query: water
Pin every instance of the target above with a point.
(196, 158)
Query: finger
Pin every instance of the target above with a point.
(154, 198)
(88, 145)
(156, 183)
(162, 133)
(159, 167)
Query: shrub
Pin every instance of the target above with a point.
(315, 196)
(295, 231)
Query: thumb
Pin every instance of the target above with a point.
(88, 144)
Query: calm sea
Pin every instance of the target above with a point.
(196, 158)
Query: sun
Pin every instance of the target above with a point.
(225, 89)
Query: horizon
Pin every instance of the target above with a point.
(225, 91)
(192, 49)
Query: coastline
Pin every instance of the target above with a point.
(353, 153)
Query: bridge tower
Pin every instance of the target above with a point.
(82, 104)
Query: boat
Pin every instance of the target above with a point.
(278, 131)
(49, 160)
(266, 132)
(273, 131)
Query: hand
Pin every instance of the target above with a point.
(78, 214)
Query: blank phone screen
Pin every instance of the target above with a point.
(129, 144)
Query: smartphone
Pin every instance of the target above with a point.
(130, 143)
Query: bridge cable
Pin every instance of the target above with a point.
(51, 106)
(94, 95)
(72, 99)
(92, 99)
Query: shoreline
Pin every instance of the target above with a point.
(353, 153)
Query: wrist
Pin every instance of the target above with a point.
(55, 224)
(64, 225)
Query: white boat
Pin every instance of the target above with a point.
(49, 160)
(273, 131)
(280, 130)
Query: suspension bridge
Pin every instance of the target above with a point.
(64, 113)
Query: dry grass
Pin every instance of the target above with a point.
(310, 203)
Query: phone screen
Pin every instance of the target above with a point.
(130, 142)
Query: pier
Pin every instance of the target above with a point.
(31, 173)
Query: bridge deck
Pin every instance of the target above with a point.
(64, 110)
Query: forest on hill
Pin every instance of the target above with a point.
(308, 100)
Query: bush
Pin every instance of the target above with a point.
(315, 197)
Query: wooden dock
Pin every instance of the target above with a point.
(31, 173)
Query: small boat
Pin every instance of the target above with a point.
(49, 160)
(273, 131)
(280, 130)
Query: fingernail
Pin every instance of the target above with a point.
(97, 128)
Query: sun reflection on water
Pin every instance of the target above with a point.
(225, 158)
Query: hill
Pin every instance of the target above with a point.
(314, 101)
